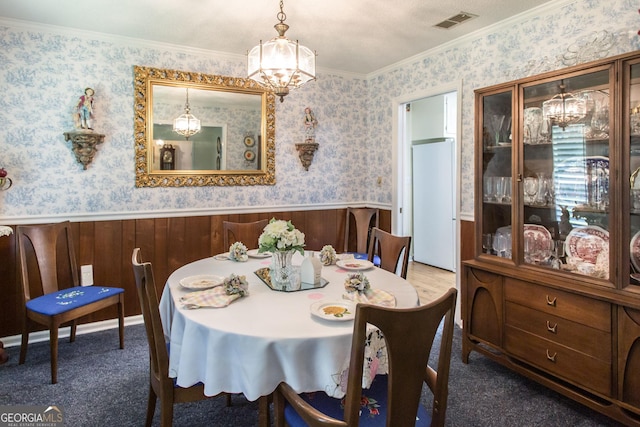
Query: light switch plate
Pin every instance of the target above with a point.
(86, 275)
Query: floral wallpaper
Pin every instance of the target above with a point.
(44, 72)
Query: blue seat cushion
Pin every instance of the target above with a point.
(70, 298)
(373, 407)
(359, 255)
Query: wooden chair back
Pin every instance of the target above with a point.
(362, 217)
(245, 232)
(390, 248)
(409, 334)
(47, 258)
(161, 385)
(146, 287)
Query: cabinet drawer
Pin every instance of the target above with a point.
(590, 341)
(577, 308)
(579, 368)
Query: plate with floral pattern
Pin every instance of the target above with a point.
(355, 264)
(201, 282)
(337, 311)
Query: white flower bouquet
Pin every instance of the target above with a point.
(238, 252)
(328, 255)
(281, 236)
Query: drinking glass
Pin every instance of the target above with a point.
(496, 124)
(500, 244)
(530, 188)
(506, 197)
(487, 242)
(501, 183)
(488, 189)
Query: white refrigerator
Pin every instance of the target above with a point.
(434, 234)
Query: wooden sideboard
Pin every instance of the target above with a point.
(552, 289)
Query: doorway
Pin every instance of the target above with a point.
(425, 200)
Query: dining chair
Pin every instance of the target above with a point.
(390, 248)
(245, 232)
(160, 384)
(51, 291)
(393, 399)
(362, 217)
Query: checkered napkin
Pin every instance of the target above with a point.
(371, 296)
(231, 289)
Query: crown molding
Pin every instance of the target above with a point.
(497, 27)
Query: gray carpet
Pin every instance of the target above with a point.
(101, 385)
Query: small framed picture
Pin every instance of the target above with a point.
(249, 141)
(249, 155)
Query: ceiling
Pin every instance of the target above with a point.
(359, 36)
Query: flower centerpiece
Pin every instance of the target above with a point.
(238, 252)
(282, 239)
(357, 282)
(328, 255)
(236, 285)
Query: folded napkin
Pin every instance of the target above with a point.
(359, 290)
(371, 296)
(232, 288)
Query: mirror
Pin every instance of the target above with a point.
(236, 141)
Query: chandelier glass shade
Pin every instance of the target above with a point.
(281, 64)
(186, 124)
(564, 108)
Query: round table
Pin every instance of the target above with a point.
(267, 337)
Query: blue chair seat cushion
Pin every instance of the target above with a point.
(359, 255)
(70, 298)
(373, 407)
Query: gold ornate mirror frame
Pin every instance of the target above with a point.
(145, 78)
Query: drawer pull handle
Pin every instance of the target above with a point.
(552, 329)
(551, 302)
(551, 357)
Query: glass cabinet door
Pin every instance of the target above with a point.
(496, 139)
(565, 174)
(633, 112)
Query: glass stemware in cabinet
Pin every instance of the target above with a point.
(530, 189)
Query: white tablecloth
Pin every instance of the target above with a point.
(267, 337)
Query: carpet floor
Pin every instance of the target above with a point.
(101, 385)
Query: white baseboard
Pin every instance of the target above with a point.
(87, 328)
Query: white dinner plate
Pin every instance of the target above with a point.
(201, 282)
(337, 311)
(355, 264)
(222, 257)
(253, 253)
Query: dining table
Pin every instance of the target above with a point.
(269, 336)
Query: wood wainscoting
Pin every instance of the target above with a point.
(168, 243)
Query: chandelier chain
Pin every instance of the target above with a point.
(281, 16)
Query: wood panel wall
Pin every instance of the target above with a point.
(168, 243)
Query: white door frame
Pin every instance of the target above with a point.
(399, 156)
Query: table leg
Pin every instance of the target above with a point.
(4, 356)
(263, 415)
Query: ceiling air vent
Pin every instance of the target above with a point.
(455, 20)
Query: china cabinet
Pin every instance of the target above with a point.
(553, 291)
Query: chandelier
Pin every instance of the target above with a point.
(280, 63)
(186, 125)
(564, 108)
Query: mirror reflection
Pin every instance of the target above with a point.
(194, 129)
